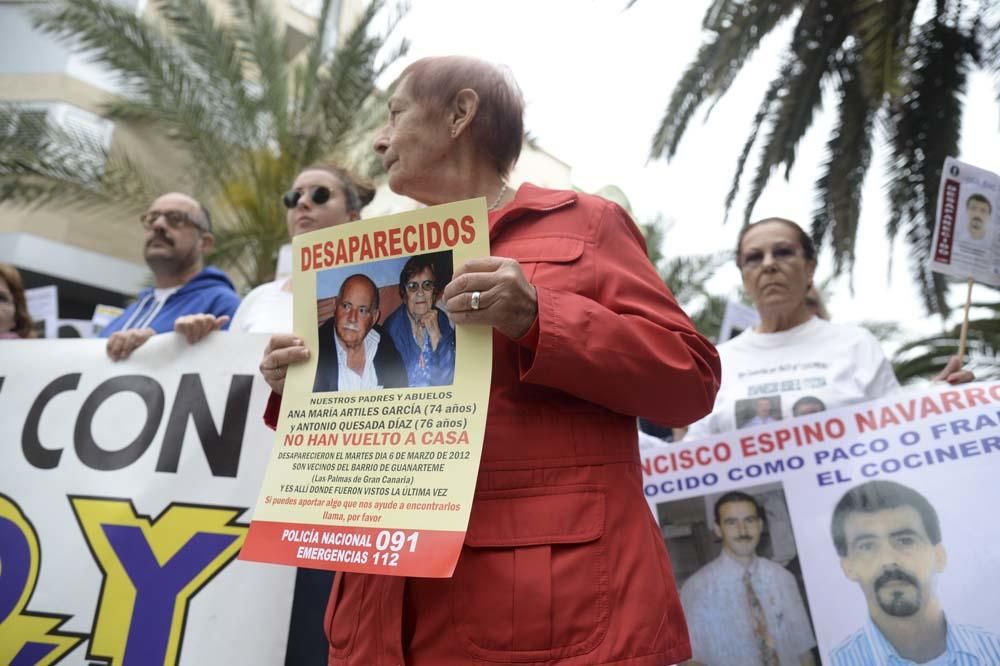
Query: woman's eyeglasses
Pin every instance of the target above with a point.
(318, 195)
(426, 285)
(782, 253)
(175, 219)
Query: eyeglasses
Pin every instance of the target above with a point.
(780, 253)
(175, 219)
(426, 285)
(319, 196)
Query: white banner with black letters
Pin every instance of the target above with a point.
(125, 491)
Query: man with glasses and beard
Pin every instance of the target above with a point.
(178, 233)
(889, 541)
(741, 609)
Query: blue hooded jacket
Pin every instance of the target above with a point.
(208, 292)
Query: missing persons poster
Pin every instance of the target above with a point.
(967, 229)
(125, 491)
(380, 432)
(849, 537)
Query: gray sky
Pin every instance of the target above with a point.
(597, 80)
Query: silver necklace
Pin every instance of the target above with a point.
(503, 191)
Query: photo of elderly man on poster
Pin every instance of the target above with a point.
(889, 540)
(355, 354)
(742, 609)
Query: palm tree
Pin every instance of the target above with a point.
(898, 69)
(223, 91)
(926, 357)
(688, 277)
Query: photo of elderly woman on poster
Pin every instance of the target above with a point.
(421, 331)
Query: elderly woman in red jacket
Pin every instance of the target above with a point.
(562, 563)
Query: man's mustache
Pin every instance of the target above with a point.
(160, 237)
(895, 575)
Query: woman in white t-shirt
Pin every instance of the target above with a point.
(793, 363)
(322, 196)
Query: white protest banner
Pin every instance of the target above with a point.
(125, 494)
(877, 538)
(376, 461)
(966, 234)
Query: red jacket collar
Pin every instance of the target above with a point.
(530, 199)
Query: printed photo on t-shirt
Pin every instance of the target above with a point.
(758, 411)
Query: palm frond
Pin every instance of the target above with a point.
(718, 13)
(740, 29)
(114, 37)
(42, 163)
(925, 128)
(260, 34)
(215, 57)
(687, 276)
(883, 29)
(160, 85)
(350, 75)
(818, 38)
(763, 113)
(849, 154)
(923, 358)
(989, 28)
(305, 94)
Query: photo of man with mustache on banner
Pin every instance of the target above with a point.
(889, 540)
(744, 607)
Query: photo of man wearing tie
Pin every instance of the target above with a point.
(742, 609)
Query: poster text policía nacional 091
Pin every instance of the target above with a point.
(377, 451)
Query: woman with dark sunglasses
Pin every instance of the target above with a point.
(322, 196)
(421, 332)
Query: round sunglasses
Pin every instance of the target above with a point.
(318, 195)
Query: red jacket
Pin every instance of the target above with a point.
(563, 562)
